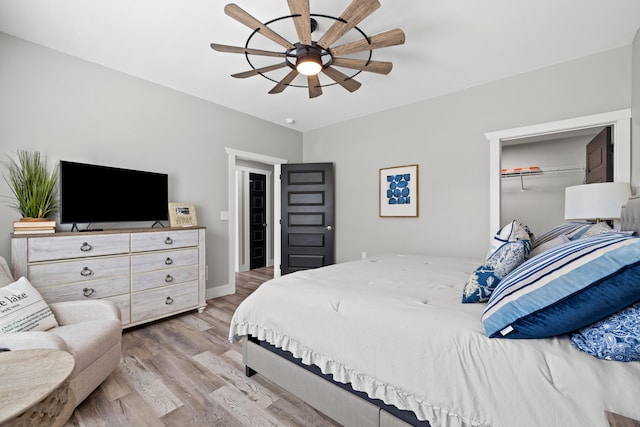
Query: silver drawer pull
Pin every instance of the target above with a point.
(168, 301)
(168, 279)
(86, 271)
(85, 247)
(168, 261)
(168, 241)
(87, 292)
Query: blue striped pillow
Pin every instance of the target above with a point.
(566, 229)
(566, 288)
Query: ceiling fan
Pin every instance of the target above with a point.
(311, 57)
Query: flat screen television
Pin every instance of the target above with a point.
(92, 193)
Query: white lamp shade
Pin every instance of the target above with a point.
(595, 201)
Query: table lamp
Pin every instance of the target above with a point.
(597, 201)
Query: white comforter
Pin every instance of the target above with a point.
(395, 328)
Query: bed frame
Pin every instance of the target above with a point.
(336, 400)
(339, 401)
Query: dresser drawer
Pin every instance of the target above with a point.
(163, 301)
(91, 289)
(157, 240)
(85, 270)
(124, 303)
(158, 278)
(143, 263)
(53, 248)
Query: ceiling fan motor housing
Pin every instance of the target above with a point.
(306, 54)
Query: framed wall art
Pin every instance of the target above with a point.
(182, 215)
(399, 191)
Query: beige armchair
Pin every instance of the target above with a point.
(90, 330)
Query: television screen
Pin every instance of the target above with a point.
(93, 193)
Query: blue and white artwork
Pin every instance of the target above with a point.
(398, 191)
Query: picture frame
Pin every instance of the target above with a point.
(399, 191)
(182, 214)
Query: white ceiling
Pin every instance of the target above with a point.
(450, 45)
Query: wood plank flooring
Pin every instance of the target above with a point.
(183, 371)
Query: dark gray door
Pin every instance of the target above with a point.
(600, 158)
(307, 216)
(257, 220)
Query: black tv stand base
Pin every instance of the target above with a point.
(74, 227)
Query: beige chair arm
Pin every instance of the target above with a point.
(69, 312)
(32, 339)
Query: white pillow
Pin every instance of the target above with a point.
(22, 308)
(512, 232)
(563, 238)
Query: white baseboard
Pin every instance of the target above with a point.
(219, 291)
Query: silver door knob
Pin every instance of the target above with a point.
(329, 227)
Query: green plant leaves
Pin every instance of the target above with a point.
(34, 187)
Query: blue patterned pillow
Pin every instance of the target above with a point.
(486, 277)
(566, 288)
(616, 337)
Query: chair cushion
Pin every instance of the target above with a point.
(88, 341)
(22, 308)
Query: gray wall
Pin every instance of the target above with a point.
(635, 113)
(71, 109)
(74, 110)
(445, 136)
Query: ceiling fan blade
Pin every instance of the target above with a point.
(352, 15)
(342, 79)
(314, 86)
(386, 39)
(302, 22)
(282, 85)
(259, 70)
(379, 67)
(240, 15)
(237, 49)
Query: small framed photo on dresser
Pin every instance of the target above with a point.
(399, 191)
(182, 215)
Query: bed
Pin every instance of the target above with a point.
(386, 341)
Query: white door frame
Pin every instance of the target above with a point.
(234, 155)
(620, 121)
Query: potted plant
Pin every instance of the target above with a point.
(33, 185)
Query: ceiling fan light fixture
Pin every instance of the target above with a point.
(309, 61)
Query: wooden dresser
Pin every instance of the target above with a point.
(150, 273)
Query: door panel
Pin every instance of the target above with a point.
(258, 222)
(600, 158)
(307, 216)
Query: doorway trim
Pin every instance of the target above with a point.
(619, 120)
(234, 155)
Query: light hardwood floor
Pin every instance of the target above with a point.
(183, 371)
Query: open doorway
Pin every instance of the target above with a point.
(254, 208)
(244, 159)
(536, 172)
(620, 122)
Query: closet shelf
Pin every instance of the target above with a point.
(535, 170)
(508, 173)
